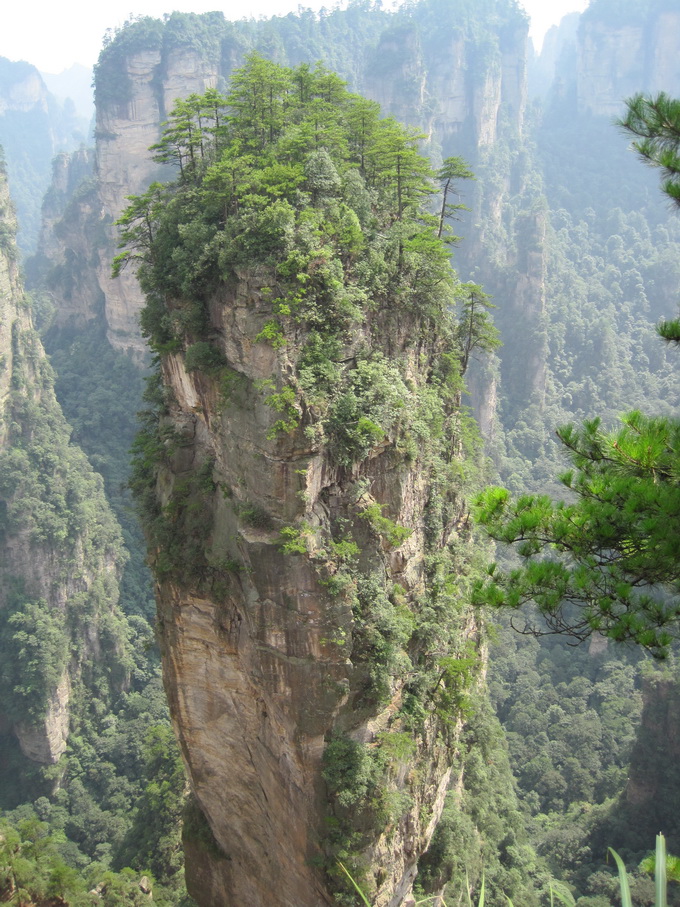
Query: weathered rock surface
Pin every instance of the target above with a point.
(33, 127)
(615, 61)
(45, 741)
(649, 804)
(124, 167)
(261, 661)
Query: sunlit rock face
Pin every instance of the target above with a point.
(124, 167)
(261, 661)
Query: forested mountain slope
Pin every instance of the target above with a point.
(83, 721)
(61, 547)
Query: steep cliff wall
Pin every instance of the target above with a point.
(72, 241)
(308, 536)
(650, 800)
(453, 88)
(622, 54)
(125, 131)
(59, 544)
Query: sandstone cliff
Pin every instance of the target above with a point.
(298, 490)
(618, 58)
(60, 549)
(260, 660)
(456, 91)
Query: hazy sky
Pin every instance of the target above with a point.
(53, 34)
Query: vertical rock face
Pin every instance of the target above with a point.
(260, 664)
(650, 800)
(125, 131)
(528, 301)
(306, 528)
(24, 91)
(664, 60)
(619, 59)
(45, 741)
(123, 167)
(33, 127)
(610, 66)
(59, 544)
(71, 240)
(455, 94)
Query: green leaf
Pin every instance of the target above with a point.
(361, 894)
(626, 900)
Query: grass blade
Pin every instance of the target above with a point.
(626, 900)
(660, 873)
(563, 896)
(361, 894)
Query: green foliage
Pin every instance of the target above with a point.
(196, 830)
(656, 123)
(137, 222)
(261, 179)
(273, 334)
(350, 771)
(617, 538)
(100, 391)
(256, 516)
(152, 842)
(354, 884)
(34, 645)
(394, 534)
(293, 540)
(481, 838)
(452, 170)
(283, 402)
(474, 331)
(203, 357)
(121, 789)
(54, 503)
(660, 878)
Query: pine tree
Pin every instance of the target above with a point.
(608, 561)
(475, 330)
(452, 170)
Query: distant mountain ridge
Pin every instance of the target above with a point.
(34, 126)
